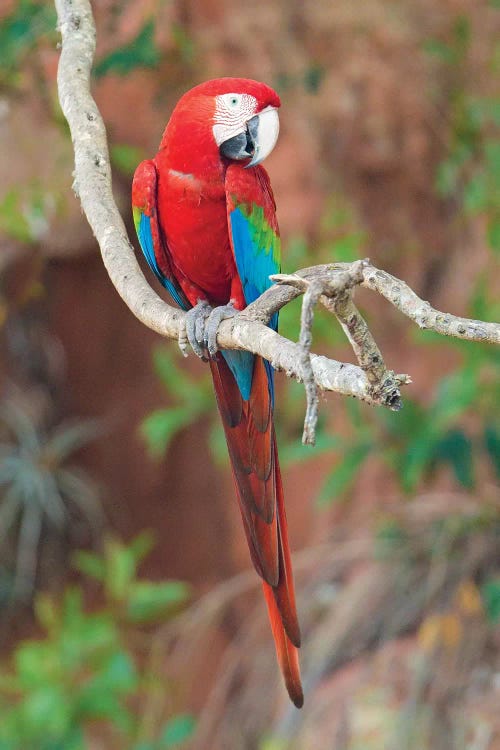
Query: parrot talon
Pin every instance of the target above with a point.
(182, 340)
(218, 314)
(192, 331)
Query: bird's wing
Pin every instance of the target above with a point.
(144, 207)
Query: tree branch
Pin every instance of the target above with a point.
(332, 284)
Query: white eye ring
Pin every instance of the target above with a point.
(233, 100)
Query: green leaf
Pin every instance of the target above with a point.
(476, 194)
(491, 597)
(492, 444)
(179, 729)
(455, 448)
(189, 390)
(47, 710)
(412, 463)
(313, 77)
(273, 743)
(439, 49)
(142, 545)
(183, 42)
(126, 157)
(347, 248)
(493, 233)
(97, 704)
(295, 452)
(344, 473)
(46, 611)
(147, 601)
(36, 663)
(492, 159)
(408, 421)
(456, 393)
(91, 565)
(446, 178)
(13, 221)
(20, 30)
(462, 32)
(160, 428)
(141, 52)
(116, 674)
(120, 569)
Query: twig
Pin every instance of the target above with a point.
(309, 302)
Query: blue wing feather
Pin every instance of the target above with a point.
(255, 249)
(146, 240)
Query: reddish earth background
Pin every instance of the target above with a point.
(370, 138)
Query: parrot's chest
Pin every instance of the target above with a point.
(193, 216)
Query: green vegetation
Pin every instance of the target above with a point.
(141, 52)
(91, 667)
(470, 173)
(29, 23)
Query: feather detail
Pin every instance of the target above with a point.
(286, 652)
(266, 534)
(144, 197)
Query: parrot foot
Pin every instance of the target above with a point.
(218, 314)
(193, 330)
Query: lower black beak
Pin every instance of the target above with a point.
(241, 146)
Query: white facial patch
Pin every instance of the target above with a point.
(231, 114)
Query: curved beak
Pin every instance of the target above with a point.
(256, 141)
(265, 127)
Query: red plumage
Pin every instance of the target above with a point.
(187, 192)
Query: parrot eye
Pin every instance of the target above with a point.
(232, 101)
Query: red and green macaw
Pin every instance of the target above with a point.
(205, 217)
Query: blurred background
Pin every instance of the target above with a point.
(129, 616)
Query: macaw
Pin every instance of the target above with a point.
(205, 216)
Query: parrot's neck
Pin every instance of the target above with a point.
(191, 150)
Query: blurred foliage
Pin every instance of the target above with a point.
(125, 157)
(39, 489)
(309, 79)
(491, 597)
(20, 32)
(192, 398)
(471, 171)
(141, 52)
(87, 669)
(25, 212)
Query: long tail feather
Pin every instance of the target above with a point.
(287, 653)
(251, 440)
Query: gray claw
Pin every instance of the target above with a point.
(193, 330)
(217, 315)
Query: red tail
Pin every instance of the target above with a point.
(251, 441)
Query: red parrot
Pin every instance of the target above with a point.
(206, 220)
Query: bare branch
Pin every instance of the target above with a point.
(311, 297)
(332, 284)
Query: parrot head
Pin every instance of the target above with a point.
(232, 118)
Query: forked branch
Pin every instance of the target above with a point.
(333, 285)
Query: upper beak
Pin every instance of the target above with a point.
(266, 131)
(256, 141)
